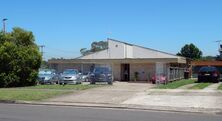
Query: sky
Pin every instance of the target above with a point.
(66, 26)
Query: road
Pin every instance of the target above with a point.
(19, 112)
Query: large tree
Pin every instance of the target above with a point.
(20, 58)
(190, 51)
(95, 47)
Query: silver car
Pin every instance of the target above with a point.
(70, 76)
(47, 76)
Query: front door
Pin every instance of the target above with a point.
(125, 72)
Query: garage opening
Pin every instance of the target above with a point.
(125, 72)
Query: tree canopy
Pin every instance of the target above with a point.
(190, 51)
(20, 58)
(95, 47)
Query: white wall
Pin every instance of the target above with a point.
(116, 49)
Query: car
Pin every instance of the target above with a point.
(70, 76)
(208, 74)
(101, 74)
(47, 76)
(85, 76)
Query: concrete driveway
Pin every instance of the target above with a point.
(116, 94)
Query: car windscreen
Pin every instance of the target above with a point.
(45, 72)
(70, 72)
(208, 69)
(101, 70)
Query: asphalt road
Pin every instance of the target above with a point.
(17, 112)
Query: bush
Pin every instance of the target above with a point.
(19, 59)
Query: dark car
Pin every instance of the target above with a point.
(208, 74)
(47, 76)
(101, 74)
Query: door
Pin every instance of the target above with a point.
(125, 72)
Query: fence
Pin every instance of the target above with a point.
(176, 73)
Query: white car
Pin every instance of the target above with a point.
(70, 76)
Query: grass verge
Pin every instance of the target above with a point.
(200, 85)
(65, 87)
(28, 95)
(176, 84)
(40, 92)
(220, 87)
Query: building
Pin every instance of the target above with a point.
(126, 60)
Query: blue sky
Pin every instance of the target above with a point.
(65, 26)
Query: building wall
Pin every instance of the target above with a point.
(117, 72)
(116, 50)
(145, 71)
(62, 66)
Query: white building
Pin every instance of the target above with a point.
(127, 59)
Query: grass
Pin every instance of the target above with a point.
(220, 87)
(28, 95)
(200, 86)
(65, 87)
(176, 84)
(40, 92)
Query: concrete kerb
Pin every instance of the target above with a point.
(122, 106)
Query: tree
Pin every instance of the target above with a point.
(20, 58)
(95, 47)
(190, 51)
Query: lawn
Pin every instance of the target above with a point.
(28, 95)
(176, 84)
(220, 87)
(64, 87)
(200, 85)
(40, 92)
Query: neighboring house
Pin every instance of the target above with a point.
(126, 60)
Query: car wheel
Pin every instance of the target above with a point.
(216, 81)
(92, 82)
(110, 83)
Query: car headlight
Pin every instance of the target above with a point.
(47, 78)
(74, 77)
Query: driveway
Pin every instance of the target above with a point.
(116, 94)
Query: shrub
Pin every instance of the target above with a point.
(19, 59)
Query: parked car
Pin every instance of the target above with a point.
(101, 74)
(85, 76)
(70, 76)
(47, 76)
(208, 74)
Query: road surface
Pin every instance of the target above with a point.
(19, 112)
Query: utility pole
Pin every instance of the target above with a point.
(4, 27)
(42, 50)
